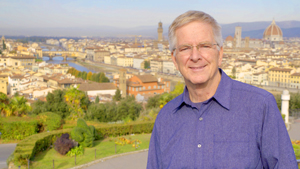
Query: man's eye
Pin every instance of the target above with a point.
(205, 46)
(184, 48)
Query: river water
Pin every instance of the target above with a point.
(69, 61)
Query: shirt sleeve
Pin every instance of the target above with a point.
(154, 153)
(276, 147)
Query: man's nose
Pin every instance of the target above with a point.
(196, 54)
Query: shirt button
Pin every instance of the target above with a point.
(199, 145)
(200, 118)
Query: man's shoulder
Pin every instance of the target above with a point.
(248, 89)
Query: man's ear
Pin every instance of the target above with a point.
(220, 56)
(174, 60)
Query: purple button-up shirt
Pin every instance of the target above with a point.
(239, 127)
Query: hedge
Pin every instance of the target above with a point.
(18, 130)
(30, 146)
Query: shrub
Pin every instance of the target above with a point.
(76, 150)
(83, 134)
(30, 146)
(49, 121)
(62, 145)
(27, 148)
(18, 130)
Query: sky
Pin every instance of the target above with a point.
(136, 13)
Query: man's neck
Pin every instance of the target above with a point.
(202, 92)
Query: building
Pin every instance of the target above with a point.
(160, 40)
(26, 61)
(168, 67)
(238, 37)
(295, 80)
(100, 54)
(156, 65)
(273, 33)
(146, 85)
(4, 84)
(138, 62)
(280, 77)
(95, 89)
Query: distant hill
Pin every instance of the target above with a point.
(258, 34)
(252, 29)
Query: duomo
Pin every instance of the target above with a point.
(272, 38)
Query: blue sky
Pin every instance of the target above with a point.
(133, 13)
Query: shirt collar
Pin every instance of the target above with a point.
(222, 95)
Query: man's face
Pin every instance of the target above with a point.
(198, 66)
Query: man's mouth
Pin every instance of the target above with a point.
(197, 67)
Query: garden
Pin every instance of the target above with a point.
(68, 130)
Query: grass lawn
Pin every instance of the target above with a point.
(104, 148)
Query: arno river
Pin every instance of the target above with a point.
(69, 61)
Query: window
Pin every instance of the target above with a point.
(144, 88)
(154, 87)
(129, 88)
(149, 87)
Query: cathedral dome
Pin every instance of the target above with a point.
(229, 38)
(273, 32)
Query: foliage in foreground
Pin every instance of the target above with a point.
(294, 102)
(63, 144)
(34, 144)
(15, 106)
(55, 103)
(18, 128)
(113, 111)
(49, 121)
(78, 151)
(83, 134)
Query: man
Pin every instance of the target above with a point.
(217, 122)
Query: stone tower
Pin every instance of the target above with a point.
(238, 36)
(247, 41)
(122, 82)
(160, 32)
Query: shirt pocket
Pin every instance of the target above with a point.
(231, 150)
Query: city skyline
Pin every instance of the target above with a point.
(137, 13)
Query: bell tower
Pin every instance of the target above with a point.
(122, 82)
(160, 32)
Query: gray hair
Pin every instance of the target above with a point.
(189, 17)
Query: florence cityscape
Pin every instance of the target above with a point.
(100, 72)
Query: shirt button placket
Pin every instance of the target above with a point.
(200, 119)
(199, 145)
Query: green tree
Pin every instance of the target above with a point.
(117, 96)
(233, 71)
(74, 98)
(97, 99)
(84, 75)
(4, 45)
(179, 88)
(83, 134)
(153, 102)
(147, 65)
(89, 76)
(18, 106)
(4, 101)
